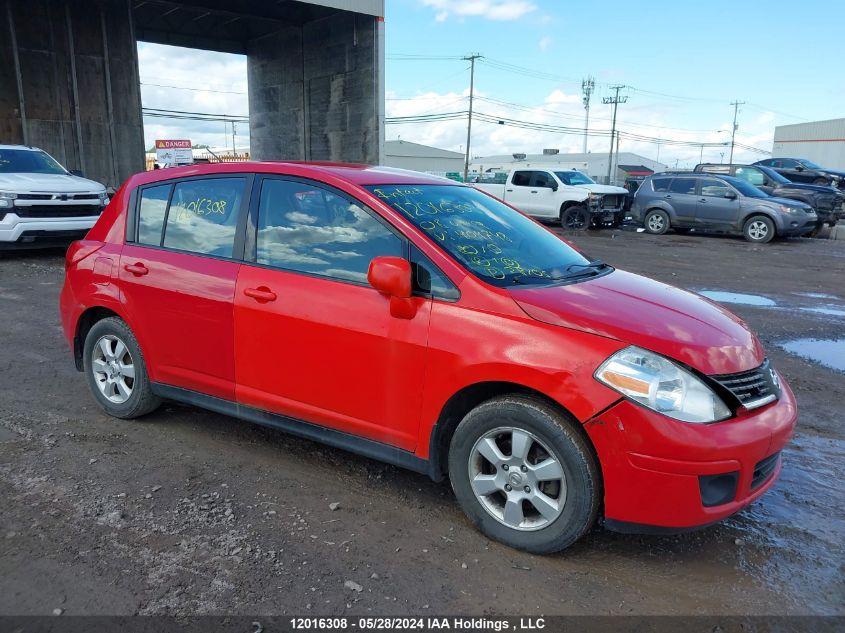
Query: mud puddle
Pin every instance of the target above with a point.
(830, 353)
(737, 297)
(792, 537)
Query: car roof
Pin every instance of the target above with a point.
(354, 173)
(29, 148)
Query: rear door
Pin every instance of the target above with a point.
(681, 197)
(177, 273)
(313, 340)
(715, 210)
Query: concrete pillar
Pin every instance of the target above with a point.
(315, 91)
(69, 84)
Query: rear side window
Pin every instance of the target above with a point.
(683, 185)
(305, 228)
(660, 184)
(521, 178)
(203, 215)
(151, 213)
(714, 188)
(752, 175)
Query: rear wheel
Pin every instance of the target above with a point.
(759, 229)
(524, 474)
(656, 222)
(575, 218)
(115, 370)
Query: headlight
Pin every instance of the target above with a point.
(104, 198)
(787, 209)
(6, 198)
(659, 384)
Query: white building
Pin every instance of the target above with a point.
(823, 142)
(407, 155)
(594, 165)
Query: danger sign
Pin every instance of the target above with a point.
(172, 144)
(172, 152)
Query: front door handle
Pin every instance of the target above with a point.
(262, 294)
(667, 196)
(510, 190)
(137, 269)
(703, 200)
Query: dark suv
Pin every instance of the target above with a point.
(803, 170)
(827, 201)
(687, 200)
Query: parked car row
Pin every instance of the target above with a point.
(756, 201)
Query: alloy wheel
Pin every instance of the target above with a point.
(517, 479)
(758, 230)
(655, 222)
(113, 369)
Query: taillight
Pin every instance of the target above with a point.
(79, 250)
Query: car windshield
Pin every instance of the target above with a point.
(810, 164)
(773, 175)
(27, 161)
(496, 243)
(574, 178)
(746, 188)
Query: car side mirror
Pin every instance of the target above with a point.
(76, 172)
(799, 167)
(554, 186)
(391, 276)
(730, 195)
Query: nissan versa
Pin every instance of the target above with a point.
(424, 323)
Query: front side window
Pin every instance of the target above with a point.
(305, 228)
(27, 161)
(497, 244)
(683, 185)
(714, 188)
(542, 179)
(151, 213)
(203, 215)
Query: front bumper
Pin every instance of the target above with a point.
(656, 470)
(22, 232)
(797, 225)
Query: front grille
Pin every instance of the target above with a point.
(58, 196)
(752, 388)
(764, 469)
(611, 202)
(57, 211)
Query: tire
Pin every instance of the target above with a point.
(758, 229)
(575, 218)
(656, 222)
(115, 370)
(548, 437)
(681, 230)
(816, 229)
(821, 181)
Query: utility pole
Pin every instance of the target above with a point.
(587, 87)
(234, 151)
(471, 59)
(614, 101)
(736, 105)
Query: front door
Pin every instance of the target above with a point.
(313, 340)
(518, 192)
(177, 279)
(715, 210)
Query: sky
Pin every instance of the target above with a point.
(682, 64)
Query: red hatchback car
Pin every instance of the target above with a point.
(426, 324)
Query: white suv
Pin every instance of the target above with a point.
(42, 203)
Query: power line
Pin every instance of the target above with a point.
(227, 92)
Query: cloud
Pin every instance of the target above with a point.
(501, 10)
(545, 42)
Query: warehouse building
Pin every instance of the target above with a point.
(594, 165)
(407, 155)
(822, 142)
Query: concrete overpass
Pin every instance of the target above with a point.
(69, 78)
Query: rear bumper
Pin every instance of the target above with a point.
(661, 473)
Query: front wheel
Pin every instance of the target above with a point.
(115, 370)
(821, 181)
(524, 475)
(575, 218)
(656, 222)
(759, 229)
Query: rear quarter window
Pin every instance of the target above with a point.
(660, 184)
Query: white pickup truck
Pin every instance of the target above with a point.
(568, 196)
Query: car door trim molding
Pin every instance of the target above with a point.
(301, 428)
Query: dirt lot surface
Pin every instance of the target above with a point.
(191, 512)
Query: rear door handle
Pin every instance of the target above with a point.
(702, 200)
(533, 192)
(262, 294)
(509, 190)
(136, 269)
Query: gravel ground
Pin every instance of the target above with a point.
(189, 512)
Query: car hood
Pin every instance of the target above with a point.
(48, 183)
(805, 187)
(832, 172)
(792, 203)
(653, 315)
(597, 188)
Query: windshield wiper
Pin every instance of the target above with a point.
(596, 264)
(592, 268)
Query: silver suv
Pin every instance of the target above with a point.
(684, 201)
